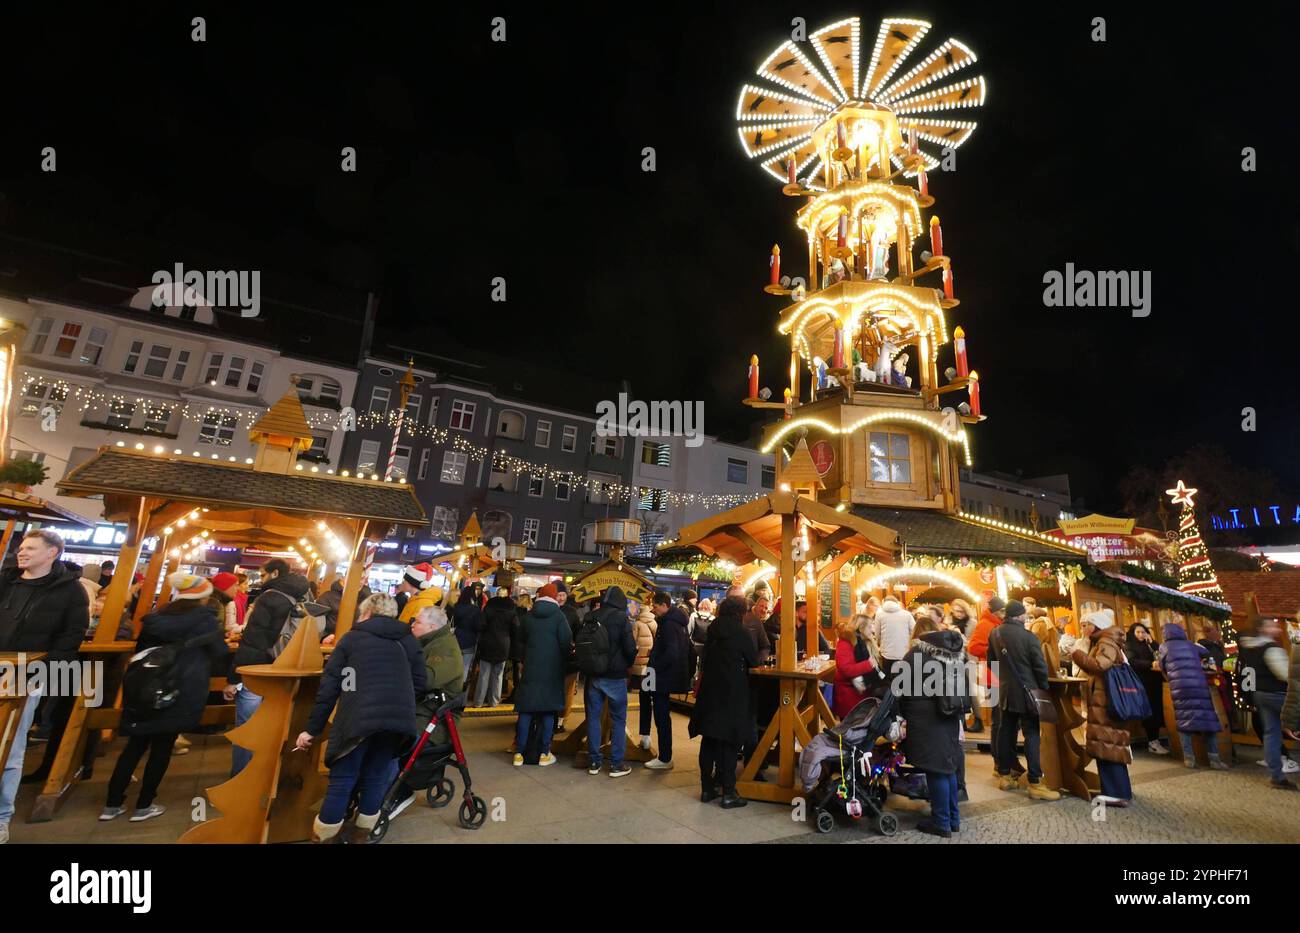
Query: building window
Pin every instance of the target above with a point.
(379, 400)
(402, 463)
(454, 464)
(562, 490)
(67, 341)
(532, 527)
(413, 408)
(557, 536)
(96, 340)
(445, 522)
(586, 544)
(606, 446)
(214, 368)
(569, 439)
(32, 455)
(891, 460)
(602, 489)
(120, 414)
(313, 388)
(653, 500)
(133, 357)
(41, 334)
(37, 395)
(768, 476)
(737, 470)
(218, 429)
(462, 415)
(156, 419)
(542, 437)
(424, 464)
(255, 377)
(319, 449)
(536, 486)
(656, 454)
(155, 366)
(433, 409)
(182, 360)
(235, 372)
(367, 458)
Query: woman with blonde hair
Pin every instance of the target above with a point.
(962, 616)
(848, 670)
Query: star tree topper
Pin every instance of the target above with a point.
(1182, 495)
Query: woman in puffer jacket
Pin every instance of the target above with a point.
(1194, 712)
(1107, 742)
(644, 626)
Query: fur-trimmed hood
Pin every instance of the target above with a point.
(944, 646)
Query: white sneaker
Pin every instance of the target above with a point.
(1156, 748)
(1264, 764)
(654, 764)
(397, 810)
(545, 760)
(518, 760)
(645, 742)
(1289, 766)
(111, 813)
(148, 813)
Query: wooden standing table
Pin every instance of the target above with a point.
(800, 711)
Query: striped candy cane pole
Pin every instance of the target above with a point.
(397, 436)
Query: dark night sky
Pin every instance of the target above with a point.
(522, 160)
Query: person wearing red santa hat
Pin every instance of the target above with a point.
(414, 578)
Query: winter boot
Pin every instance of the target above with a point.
(359, 833)
(325, 833)
(1041, 791)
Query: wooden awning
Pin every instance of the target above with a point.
(25, 507)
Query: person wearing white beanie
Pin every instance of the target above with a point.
(1099, 648)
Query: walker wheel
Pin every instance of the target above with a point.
(825, 822)
(440, 794)
(887, 823)
(380, 831)
(473, 813)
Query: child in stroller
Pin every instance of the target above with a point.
(856, 764)
(425, 769)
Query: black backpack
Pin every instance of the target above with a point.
(956, 699)
(592, 646)
(152, 678)
(700, 630)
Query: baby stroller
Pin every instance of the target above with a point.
(425, 770)
(851, 765)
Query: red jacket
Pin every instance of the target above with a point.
(979, 639)
(844, 695)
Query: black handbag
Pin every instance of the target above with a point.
(1039, 699)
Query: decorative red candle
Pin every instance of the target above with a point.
(790, 169)
(925, 183)
(839, 134)
(843, 235)
(973, 388)
(837, 354)
(936, 236)
(753, 376)
(947, 282)
(912, 142)
(959, 345)
(775, 264)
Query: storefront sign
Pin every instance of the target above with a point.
(1096, 525)
(592, 585)
(823, 456)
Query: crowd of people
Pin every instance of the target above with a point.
(384, 679)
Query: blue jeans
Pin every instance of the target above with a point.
(1211, 745)
(1269, 706)
(468, 658)
(600, 690)
(943, 800)
(1114, 780)
(369, 768)
(246, 704)
(13, 766)
(546, 726)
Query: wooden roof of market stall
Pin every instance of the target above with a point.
(927, 531)
(25, 507)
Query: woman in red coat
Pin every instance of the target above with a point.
(845, 695)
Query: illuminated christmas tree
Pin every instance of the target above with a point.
(1195, 573)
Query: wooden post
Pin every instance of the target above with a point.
(144, 603)
(8, 536)
(786, 647)
(115, 598)
(352, 583)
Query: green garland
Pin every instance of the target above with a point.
(1151, 576)
(1149, 597)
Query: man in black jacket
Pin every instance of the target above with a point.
(1020, 665)
(494, 647)
(668, 671)
(258, 645)
(43, 607)
(610, 685)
